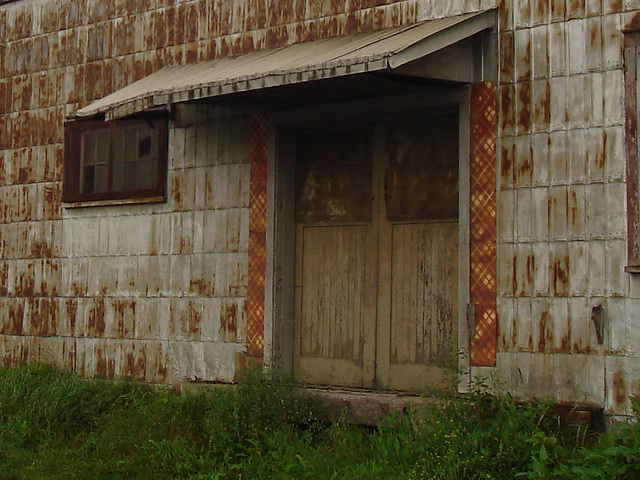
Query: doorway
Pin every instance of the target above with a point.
(376, 254)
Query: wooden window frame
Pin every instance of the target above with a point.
(72, 191)
(631, 79)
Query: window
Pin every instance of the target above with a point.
(115, 160)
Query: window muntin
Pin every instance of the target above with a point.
(115, 160)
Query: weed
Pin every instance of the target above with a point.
(57, 426)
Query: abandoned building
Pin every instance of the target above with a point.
(368, 194)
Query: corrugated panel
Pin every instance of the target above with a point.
(372, 51)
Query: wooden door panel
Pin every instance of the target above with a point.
(423, 310)
(331, 291)
(421, 175)
(423, 293)
(333, 178)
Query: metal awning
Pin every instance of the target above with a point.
(378, 51)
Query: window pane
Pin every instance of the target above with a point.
(138, 155)
(130, 141)
(101, 178)
(102, 149)
(95, 147)
(118, 177)
(88, 178)
(94, 151)
(118, 146)
(144, 179)
(129, 176)
(144, 146)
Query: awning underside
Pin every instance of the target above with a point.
(379, 51)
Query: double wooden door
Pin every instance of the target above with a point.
(376, 281)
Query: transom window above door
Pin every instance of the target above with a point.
(120, 159)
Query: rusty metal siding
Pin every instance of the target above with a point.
(561, 205)
(90, 289)
(70, 281)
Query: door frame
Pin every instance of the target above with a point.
(281, 233)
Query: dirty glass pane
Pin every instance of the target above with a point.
(118, 177)
(101, 178)
(421, 180)
(129, 176)
(95, 147)
(94, 151)
(144, 170)
(333, 180)
(130, 141)
(88, 178)
(119, 146)
(138, 156)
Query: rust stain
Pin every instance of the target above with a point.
(615, 6)
(72, 309)
(560, 276)
(53, 316)
(542, 111)
(229, 322)
(632, 24)
(176, 188)
(124, 322)
(531, 267)
(574, 208)
(578, 347)
(619, 388)
(601, 157)
(26, 282)
(575, 8)
(194, 319)
(77, 289)
(276, 37)
(4, 277)
(16, 315)
(23, 175)
(135, 366)
(101, 364)
(565, 341)
(544, 332)
(37, 323)
(105, 365)
(95, 319)
(541, 9)
(41, 250)
(506, 107)
(514, 273)
(524, 115)
(200, 286)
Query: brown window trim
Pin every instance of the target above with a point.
(72, 162)
(631, 51)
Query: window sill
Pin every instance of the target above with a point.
(109, 203)
(632, 269)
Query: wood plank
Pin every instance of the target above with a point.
(424, 304)
(424, 293)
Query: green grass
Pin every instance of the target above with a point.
(58, 426)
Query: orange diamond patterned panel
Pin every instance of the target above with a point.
(483, 223)
(257, 235)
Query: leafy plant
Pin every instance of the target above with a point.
(58, 426)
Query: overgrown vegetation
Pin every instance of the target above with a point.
(57, 426)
